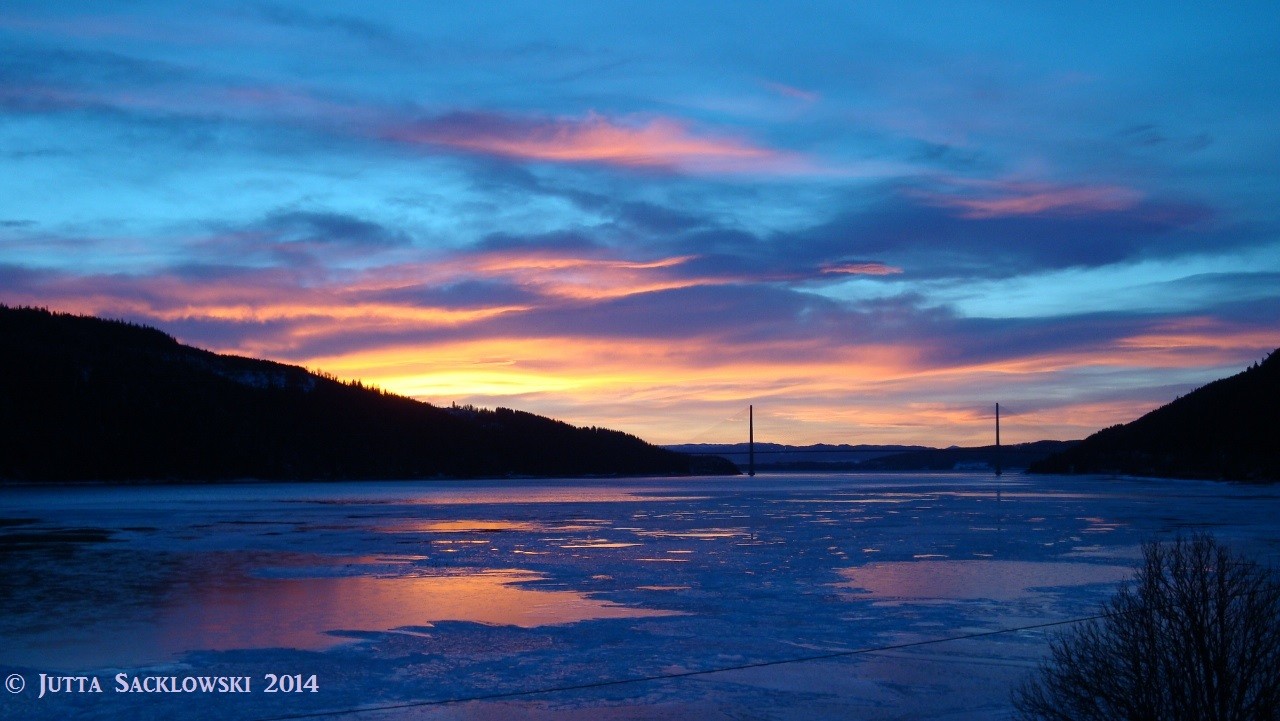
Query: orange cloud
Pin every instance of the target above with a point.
(1203, 335)
(586, 278)
(654, 143)
(550, 274)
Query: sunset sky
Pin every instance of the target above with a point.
(871, 220)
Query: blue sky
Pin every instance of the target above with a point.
(871, 220)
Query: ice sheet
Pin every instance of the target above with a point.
(394, 593)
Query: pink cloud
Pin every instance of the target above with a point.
(549, 274)
(653, 143)
(862, 268)
(1002, 199)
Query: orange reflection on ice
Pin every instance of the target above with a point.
(462, 526)
(304, 612)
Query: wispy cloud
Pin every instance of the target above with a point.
(860, 268)
(792, 92)
(660, 142)
(1003, 199)
(925, 235)
(304, 18)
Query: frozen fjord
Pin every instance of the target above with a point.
(403, 592)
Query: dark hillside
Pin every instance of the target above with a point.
(1228, 429)
(89, 399)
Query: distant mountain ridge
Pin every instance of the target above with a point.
(83, 398)
(1228, 429)
(862, 457)
(774, 453)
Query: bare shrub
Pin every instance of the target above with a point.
(1196, 635)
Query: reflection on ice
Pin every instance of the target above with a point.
(494, 525)
(232, 610)
(705, 534)
(299, 612)
(970, 580)
(1100, 525)
(461, 526)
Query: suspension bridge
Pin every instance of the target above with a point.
(750, 451)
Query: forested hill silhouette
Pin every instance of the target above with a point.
(1224, 430)
(83, 398)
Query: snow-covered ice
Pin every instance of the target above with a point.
(405, 594)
